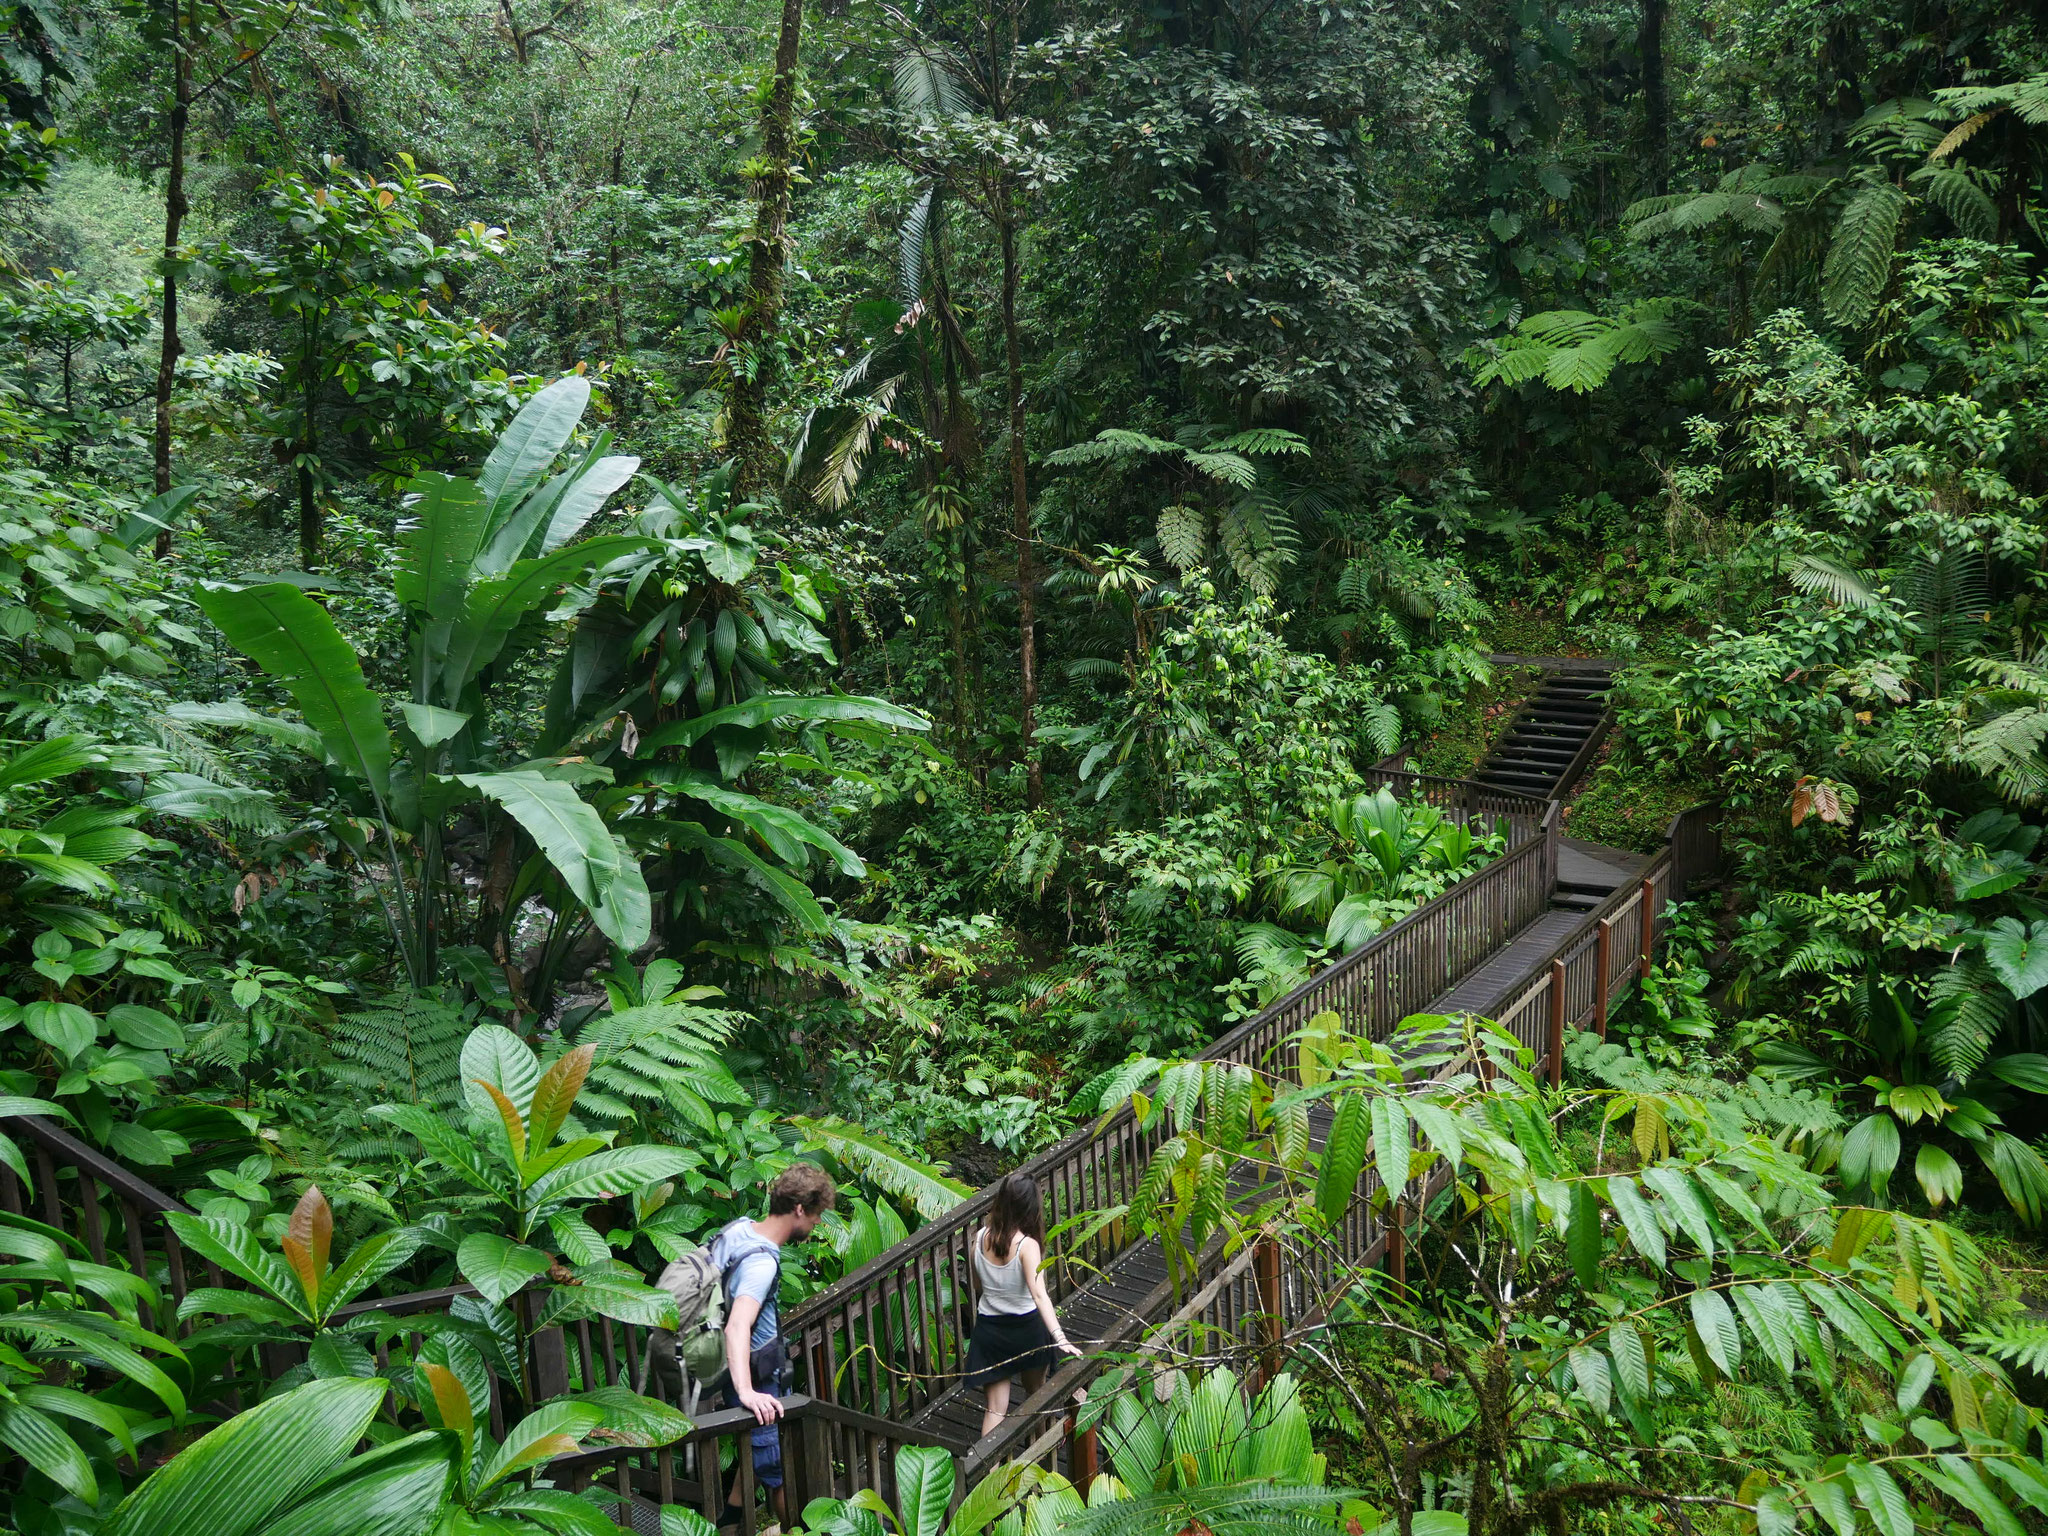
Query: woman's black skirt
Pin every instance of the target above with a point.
(1005, 1344)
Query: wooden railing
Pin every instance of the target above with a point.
(827, 1450)
(882, 1345)
(890, 1338)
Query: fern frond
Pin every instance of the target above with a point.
(408, 1051)
(1816, 574)
(1956, 193)
(1978, 1009)
(1859, 260)
(2022, 1342)
(889, 1168)
(1261, 440)
(1183, 537)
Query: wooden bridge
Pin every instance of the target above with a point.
(1543, 939)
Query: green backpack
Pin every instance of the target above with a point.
(698, 1286)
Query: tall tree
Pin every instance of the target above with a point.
(752, 362)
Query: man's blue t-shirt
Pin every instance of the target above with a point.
(755, 1276)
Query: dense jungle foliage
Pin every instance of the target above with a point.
(596, 597)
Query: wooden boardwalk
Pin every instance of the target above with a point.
(1542, 940)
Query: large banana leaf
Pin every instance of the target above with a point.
(437, 543)
(530, 445)
(580, 847)
(235, 1478)
(763, 708)
(494, 607)
(291, 637)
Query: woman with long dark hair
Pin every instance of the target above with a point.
(1016, 1330)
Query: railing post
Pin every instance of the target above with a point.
(1603, 955)
(1648, 925)
(1084, 1457)
(1267, 1263)
(1557, 1008)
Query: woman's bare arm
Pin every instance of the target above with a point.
(1033, 1258)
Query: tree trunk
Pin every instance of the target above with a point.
(747, 411)
(1656, 102)
(1020, 513)
(311, 531)
(175, 209)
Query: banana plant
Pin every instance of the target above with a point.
(514, 1153)
(51, 1323)
(479, 561)
(290, 1465)
(300, 1291)
(680, 679)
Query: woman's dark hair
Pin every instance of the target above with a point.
(1018, 1212)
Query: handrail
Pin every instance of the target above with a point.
(1232, 1046)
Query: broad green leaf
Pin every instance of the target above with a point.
(1638, 1218)
(768, 707)
(291, 637)
(235, 1249)
(1685, 1204)
(68, 1402)
(1343, 1158)
(394, 1490)
(572, 836)
(497, 1266)
(1719, 1336)
(41, 1442)
(529, 447)
(1631, 1361)
(931, 1192)
(1582, 1235)
(439, 533)
(368, 1262)
(1881, 1497)
(924, 1488)
(553, 1430)
(493, 1054)
(431, 725)
(1939, 1175)
(1390, 1143)
(1869, 1153)
(1589, 1371)
(2018, 955)
(233, 1479)
(618, 1171)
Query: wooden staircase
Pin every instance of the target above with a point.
(1550, 743)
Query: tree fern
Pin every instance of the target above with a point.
(406, 1051)
(2022, 1342)
(1859, 260)
(1970, 1012)
(1817, 574)
(660, 1054)
(1956, 193)
(1183, 537)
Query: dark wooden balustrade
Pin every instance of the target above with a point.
(877, 1350)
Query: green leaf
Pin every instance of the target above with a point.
(439, 534)
(1631, 1362)
(395, 1490)
(235, 1249)
(619, 1171)
(1719, 1336)
(449, 1146)
(291, 637)
(573, 837)
(1582, 1235)
(1940, 1177)
(546, 1432)
(1881, 1497)
(43, 1444)
(1869, 1153)
(928, 1190)
(529, 447)
(234, 1478)
(67, 1402)
(1685, 1204)
(1390, 1143)
(1343, 1158)
(1638, 1218)
(145, 1028)
(430, 725)
(497, 1266)
(1589, 1372)
(2018, 955)
(64, 1027)
(924, 1488)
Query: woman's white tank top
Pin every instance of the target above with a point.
(1005, 1291)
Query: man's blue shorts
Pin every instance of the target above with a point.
(767, 1438)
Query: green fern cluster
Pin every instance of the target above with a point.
(407, 1051)
(660, 1055)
